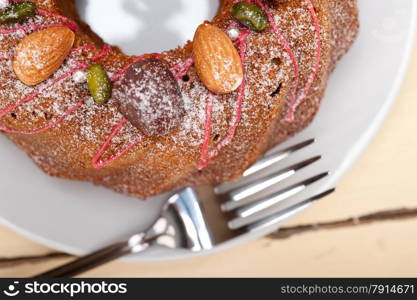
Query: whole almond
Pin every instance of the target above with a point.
(41, 54)
(217, 61)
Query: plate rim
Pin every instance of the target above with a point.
(353, 155)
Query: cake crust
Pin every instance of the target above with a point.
(153, 165)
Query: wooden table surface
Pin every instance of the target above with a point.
(382, 183)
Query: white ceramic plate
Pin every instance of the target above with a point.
(78, 217)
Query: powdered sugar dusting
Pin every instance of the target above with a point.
(142, 170)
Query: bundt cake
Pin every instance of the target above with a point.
(144, 125)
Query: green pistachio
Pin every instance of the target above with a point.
(17, 12)
(99, 84)
(250, 15)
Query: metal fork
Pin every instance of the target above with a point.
(203, 217)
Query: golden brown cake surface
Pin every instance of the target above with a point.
(69, 135)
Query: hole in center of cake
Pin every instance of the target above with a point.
(146, 26)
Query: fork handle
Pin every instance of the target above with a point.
(95, 259)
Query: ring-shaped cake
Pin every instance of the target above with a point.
(144, 125)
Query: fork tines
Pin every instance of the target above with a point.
(253, 209)
(278, 218)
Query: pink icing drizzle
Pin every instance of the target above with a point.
(206, 156)
(81, 66)
(51, 125)
(294, 101)
(31, 97)
(119, 75)
(105, 51)
(29, 27)
(96, 162)
(284, 43)
(96, 159)
(179, 71)
(83, 48)
(317, 56)
(68, 22)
